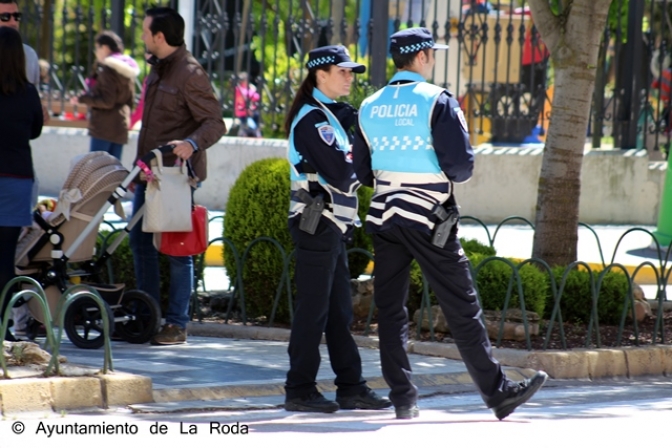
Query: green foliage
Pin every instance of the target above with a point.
(282, 76)
(257, 206)
(576, 298)
(361, 90)
(472, 248)
(493, 280)
(618, 18)
(358, 262)
(75, 28)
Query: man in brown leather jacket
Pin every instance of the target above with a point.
(180, 109)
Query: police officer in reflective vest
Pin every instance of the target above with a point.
(322, 213)
(412, 145)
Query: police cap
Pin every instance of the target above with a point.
(412, 40)
(333, 55)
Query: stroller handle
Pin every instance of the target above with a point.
(165, 149)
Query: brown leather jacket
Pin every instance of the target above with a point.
(179, 105)
(110, 98)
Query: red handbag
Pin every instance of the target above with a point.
(184, 244)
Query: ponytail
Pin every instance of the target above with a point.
(305, 92)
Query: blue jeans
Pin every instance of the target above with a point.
(114, 149)
(146, 261)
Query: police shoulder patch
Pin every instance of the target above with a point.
(327, 134)
(463, 120)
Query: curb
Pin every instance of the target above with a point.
(64, 393)
(622, 362)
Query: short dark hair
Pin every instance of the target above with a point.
(169, 22)
(12, 62)
(7, 2)
(406, 60)
(111, 40)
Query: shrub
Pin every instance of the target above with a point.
(257, 206)
(471, 248)
(576, 299)
(361, 239)
(493, 278)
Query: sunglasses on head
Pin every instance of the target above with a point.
(5, 16)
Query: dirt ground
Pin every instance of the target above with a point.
(575, 335)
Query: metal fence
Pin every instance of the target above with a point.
(497, 64)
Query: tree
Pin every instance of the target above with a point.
(571, 29)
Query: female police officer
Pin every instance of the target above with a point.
(323, 211)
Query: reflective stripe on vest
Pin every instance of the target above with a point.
(396, 123)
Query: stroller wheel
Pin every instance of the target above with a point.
(145, 316)
(83, 323)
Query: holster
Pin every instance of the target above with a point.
(447, 218)
(310, 217)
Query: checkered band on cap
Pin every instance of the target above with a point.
(324, 60)
(416, 47)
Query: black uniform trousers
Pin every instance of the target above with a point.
(323, 305)
(447, 270)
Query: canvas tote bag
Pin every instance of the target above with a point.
(167, 198)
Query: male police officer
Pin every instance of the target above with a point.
(413, 143)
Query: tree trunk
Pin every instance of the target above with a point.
(45, 30)
(573, 38)
(557, 216)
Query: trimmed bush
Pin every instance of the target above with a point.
(493, 278)
(471, 248)
(258, 205)
(361, 239)
(474, 246)
(576, 299)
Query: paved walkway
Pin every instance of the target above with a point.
(210, 372)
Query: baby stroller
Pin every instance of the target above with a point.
(47, 251)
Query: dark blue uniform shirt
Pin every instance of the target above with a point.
(333, 165)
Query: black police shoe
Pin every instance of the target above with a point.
(519, 394)
(313, 402)
(407, 412)
(366, 400)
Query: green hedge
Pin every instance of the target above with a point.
(576, 297)
(361, 239)
(493, 278)
(471, 248)
(257, 206)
